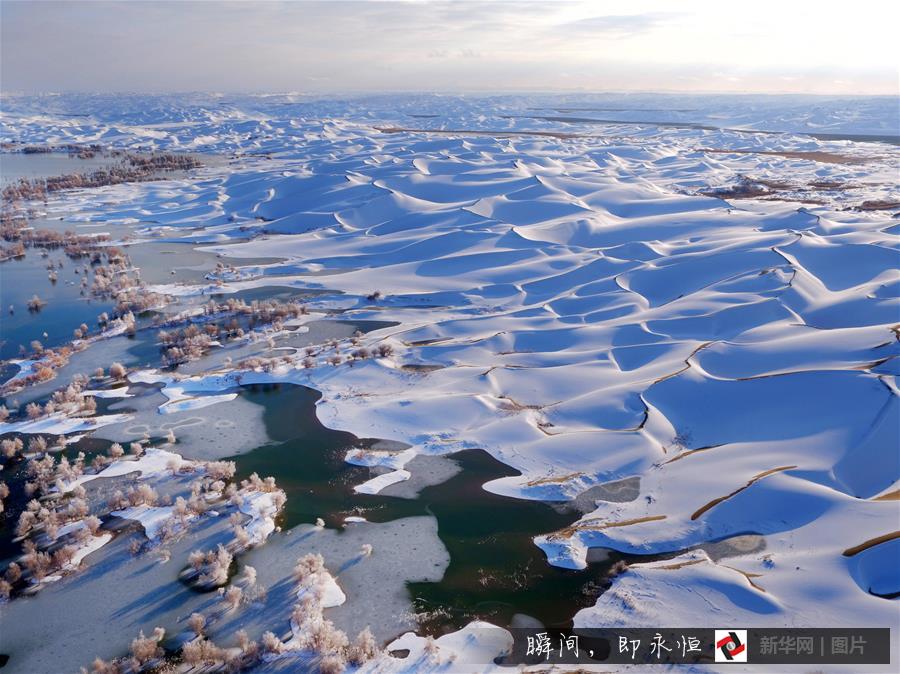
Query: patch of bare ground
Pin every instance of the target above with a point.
(750, 188)
(879, 205)
(420, 368)
(478, 132)
(750, 483)
(427, 342)
(890, 496)
(508, 404)
(832, 185)
(597, 525)
(554, 479)
(745, 574)
(817, 156)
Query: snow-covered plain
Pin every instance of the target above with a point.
(574, 299)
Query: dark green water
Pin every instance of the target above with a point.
(495, 572)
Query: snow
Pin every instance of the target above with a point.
(332, 594)
(119, 392)
(473, 647)
(261, 508)
(153, 462)
(583, 310)
(92, 544)
(59, 424)
(182, 404)
(379, 482)
(152, 518)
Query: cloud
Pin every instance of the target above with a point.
(446, 46)
(618, 25)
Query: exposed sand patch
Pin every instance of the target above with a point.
(871, 543)
(814, 155)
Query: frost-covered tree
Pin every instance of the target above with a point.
(363, 649)
(333, 663)
(271, 643)
(308, 565)
(144, 649)
(197, 623)
(233, 596)
(249, 576)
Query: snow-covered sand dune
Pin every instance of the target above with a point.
(588, 311)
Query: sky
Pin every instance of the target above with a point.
(826, 47)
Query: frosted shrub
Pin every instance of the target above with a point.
(146, 648)
(221, 470)
(27, 520)
(271, 643)
(250, 651)
(10, 447)
(202, 651)
(197, 504)
(117, 371)
(212, 567)
(431, 648)
(180, 509)
(323, 637)
(93, 523)
(62, 557)
(308, 565)
(233, 596)
(249, 576)
(332, 664)
(617, 569)
(197, 623)
(116, 451)
(241, 537)
(13, 573)
(100, 666)
(363, 649)
(144, 494)
(117, 501)
(196, 559)
(37, 444)
(78, 509)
